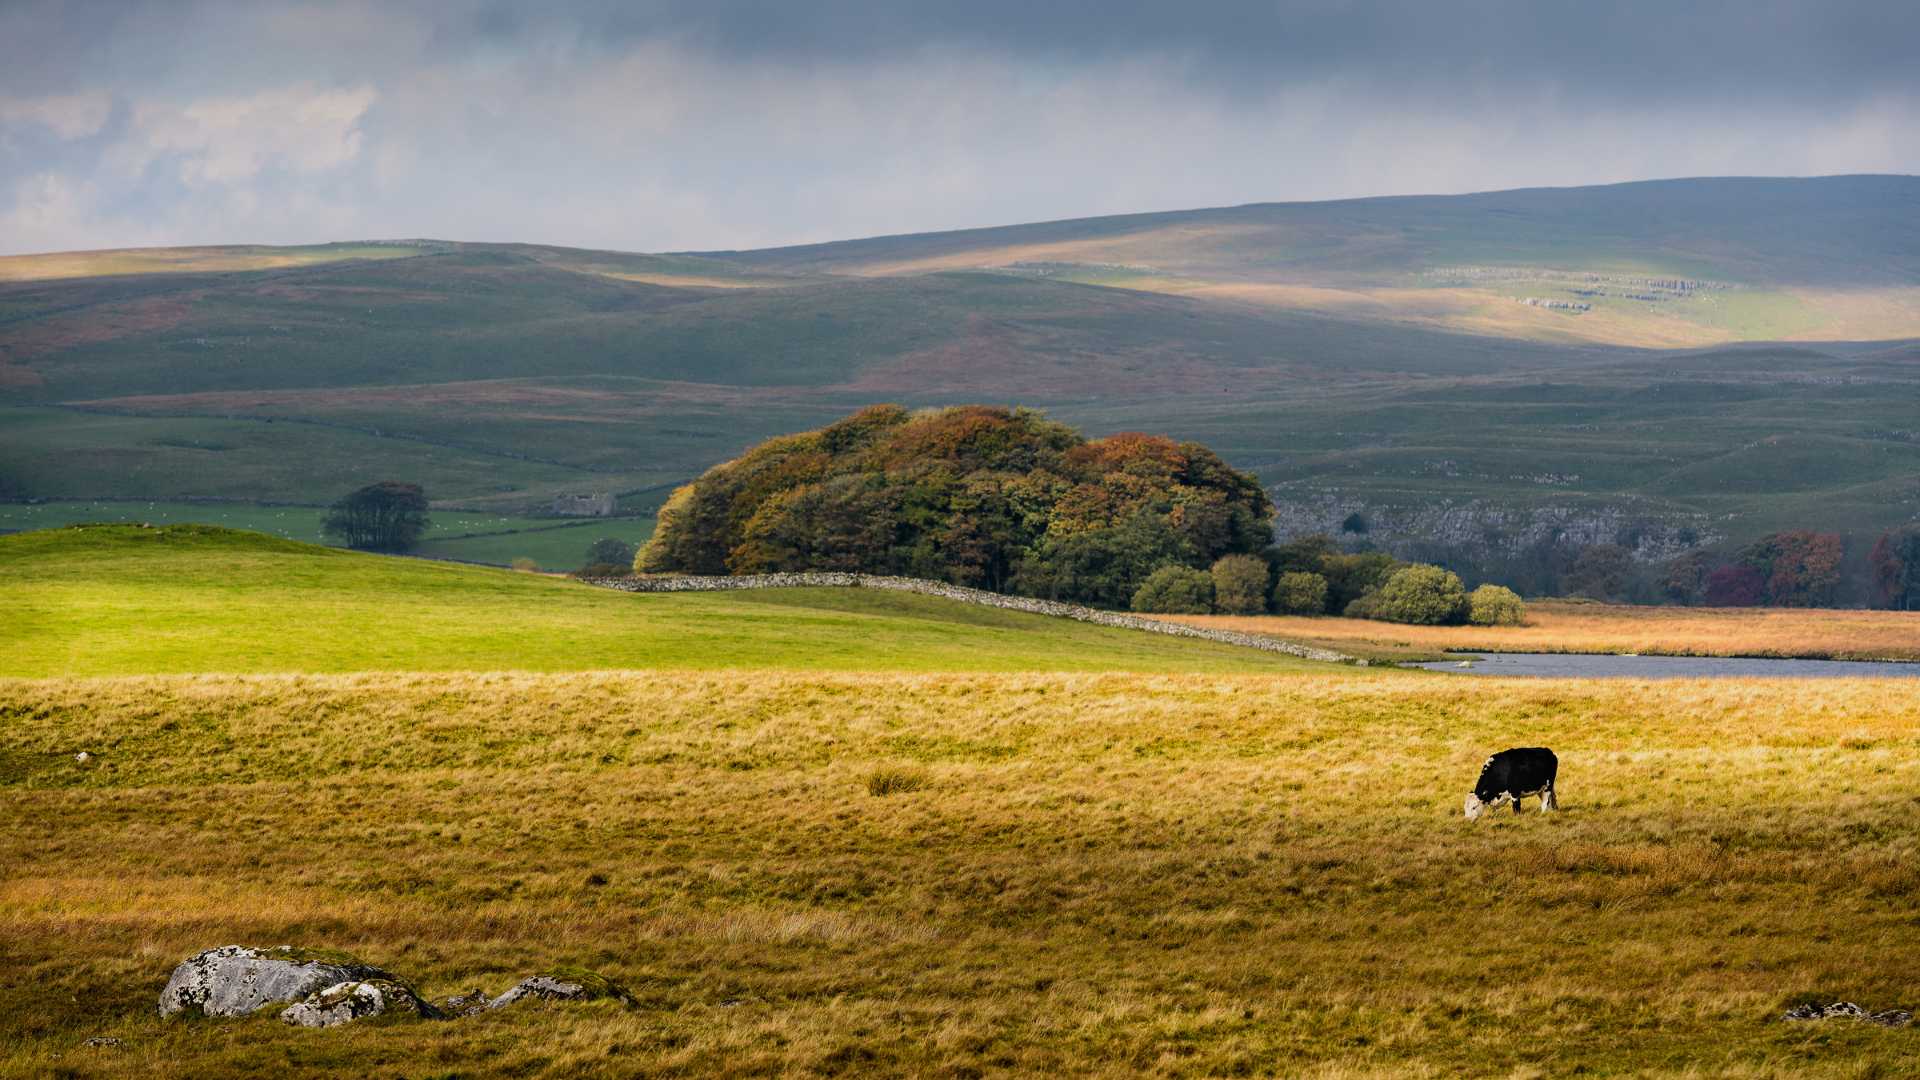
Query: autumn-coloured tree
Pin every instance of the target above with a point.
(1735, 585)
(1802, 568)
(991, 497)
(1686, 577)
(1895, 561)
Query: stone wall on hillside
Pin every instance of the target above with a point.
(690, 583)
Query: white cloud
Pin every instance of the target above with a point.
(69, 116)
(231, 140)
(658, 144)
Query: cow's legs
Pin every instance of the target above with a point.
(1516, 804)
(1547, 801)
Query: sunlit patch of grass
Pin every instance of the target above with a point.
(123, 599)
(1814, 633)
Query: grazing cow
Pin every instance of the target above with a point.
(1512, 775)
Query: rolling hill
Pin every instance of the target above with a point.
(1701, 360)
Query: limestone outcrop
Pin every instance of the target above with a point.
(237, 980)
(346, 1002)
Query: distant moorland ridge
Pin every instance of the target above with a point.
(1657, 365)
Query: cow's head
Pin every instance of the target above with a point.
(1474, 808)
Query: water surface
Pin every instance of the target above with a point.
(1598, 666)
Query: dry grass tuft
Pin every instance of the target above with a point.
(894, 779)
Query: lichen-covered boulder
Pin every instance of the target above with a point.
(467, 1004)
(564, 984)
(1847, 1010)
(236, 980)
(346, 1002)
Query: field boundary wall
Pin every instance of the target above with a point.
(696, 583)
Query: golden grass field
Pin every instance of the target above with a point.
(1618, 628)
(1099, 874)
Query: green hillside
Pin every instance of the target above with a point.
(1368, 356)
(124, 599)
(1656, 263)
(1841, 230)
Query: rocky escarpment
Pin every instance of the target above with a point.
(1488, 529)
(693, 583)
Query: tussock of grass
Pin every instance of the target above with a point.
(893, 779)
(1117, 874)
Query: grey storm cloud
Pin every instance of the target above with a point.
(680, 124)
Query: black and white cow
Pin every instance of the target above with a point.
(1512, 775)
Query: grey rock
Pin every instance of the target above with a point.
(467, 1004)
(236, 980)
(343, 1003)
(103, 1041)
(566, 984)
(1847, 1010)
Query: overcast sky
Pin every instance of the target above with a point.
(712, 124)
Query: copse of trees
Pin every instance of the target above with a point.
(1786, 569)
(993, 498)
(388, 516)
(1895, 562)
(1314, 577)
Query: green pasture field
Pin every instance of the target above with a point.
(465, 535)
(551, 546)
(836, 832)
(122, 600)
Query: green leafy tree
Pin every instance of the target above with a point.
(1240, 585)
(388, 516)
(1420, 594)
(1495, 605)
(1175, 590)
(1349, 577)
(608, 556)
(848, 523)
(1300, 593)
(1306, 554)
(1103, 567)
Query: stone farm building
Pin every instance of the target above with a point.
(600, 505)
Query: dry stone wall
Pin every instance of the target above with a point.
(667, 584)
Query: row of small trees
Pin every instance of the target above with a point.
(1313, 577)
